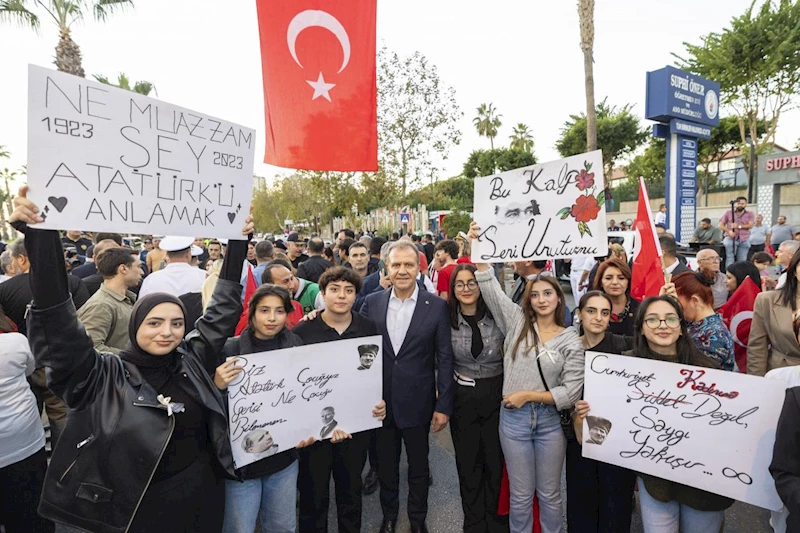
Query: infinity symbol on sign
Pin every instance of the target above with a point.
(741, 476)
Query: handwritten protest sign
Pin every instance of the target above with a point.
(103, 158)
(704, 428)
(546, 211)
(285, 396)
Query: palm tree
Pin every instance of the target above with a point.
(5, 198)
(586, 16)
(522, 139)
(487, 122)
(64, 13)
(4, 153)
(123, 82)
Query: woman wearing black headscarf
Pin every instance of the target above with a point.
(146, 443)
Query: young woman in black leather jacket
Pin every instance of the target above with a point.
(146, 444)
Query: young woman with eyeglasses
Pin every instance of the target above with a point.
(478, 372)
(669, 507)
(599, 495)
(543, 374)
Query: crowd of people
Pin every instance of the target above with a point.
(129, 354)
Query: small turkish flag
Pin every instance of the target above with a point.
(320, 96)
(737, 314)
(648, 274)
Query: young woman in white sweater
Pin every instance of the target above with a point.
(543, 374)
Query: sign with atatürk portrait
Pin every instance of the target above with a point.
(548, 211)
(704, 428)
(286, 396)
(102, 158)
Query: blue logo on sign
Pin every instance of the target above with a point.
(405, 218)
(688, 163)
(687, 201)
(688, 154)
(688, 173)
(688, 143)
(686, 193)
(687, 183)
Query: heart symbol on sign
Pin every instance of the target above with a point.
(231, 217)
(59, 203)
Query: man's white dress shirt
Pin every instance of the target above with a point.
(398, 317)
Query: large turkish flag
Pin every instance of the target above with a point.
(320, 96)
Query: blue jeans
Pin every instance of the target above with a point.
(741, 251)
(534, 447)
(273, 497)
(674, 517)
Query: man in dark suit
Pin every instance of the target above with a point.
(416, 335)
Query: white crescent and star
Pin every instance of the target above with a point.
(737, 319)
(315, 18)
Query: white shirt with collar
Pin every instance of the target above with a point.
(398, 317)
(175, 279)
(673, 266)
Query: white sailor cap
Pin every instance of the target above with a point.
(223, 242)
(196, 251)
(172, 243)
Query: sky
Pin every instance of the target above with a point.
(522, 55)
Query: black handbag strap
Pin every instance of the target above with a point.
(541, 374)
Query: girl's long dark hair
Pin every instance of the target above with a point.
(685, 347)
(528, 330)
(789, 289)
(745, 269)
(6, 324)
(452, 302)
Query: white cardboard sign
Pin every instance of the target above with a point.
(704, 428)
(289, 395)
(108, 159)
(548, 211)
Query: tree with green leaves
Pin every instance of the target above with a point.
(417, 117)
(377, 189)
(453, 193)
(488, 122)
(123, 82)
(486, 162)
(456, 221)
(618, 134)
(586, 21)
(756, 60)
(521, 138)
(64, 13)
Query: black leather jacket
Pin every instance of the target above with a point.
(117, 430)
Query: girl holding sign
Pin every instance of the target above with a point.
(543, 375)
(146, 442)
(668, 507)
(599, 495)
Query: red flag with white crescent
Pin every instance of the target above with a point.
(737, 314)
(648, 274)
(320, 97)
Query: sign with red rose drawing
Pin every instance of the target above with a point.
(548, 211)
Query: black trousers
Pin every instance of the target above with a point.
(191, 501)
(20, 490)
(345, 461)
(479, 458)
(373, 450)
(599, 495)
(390, 440)
(754, 249)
